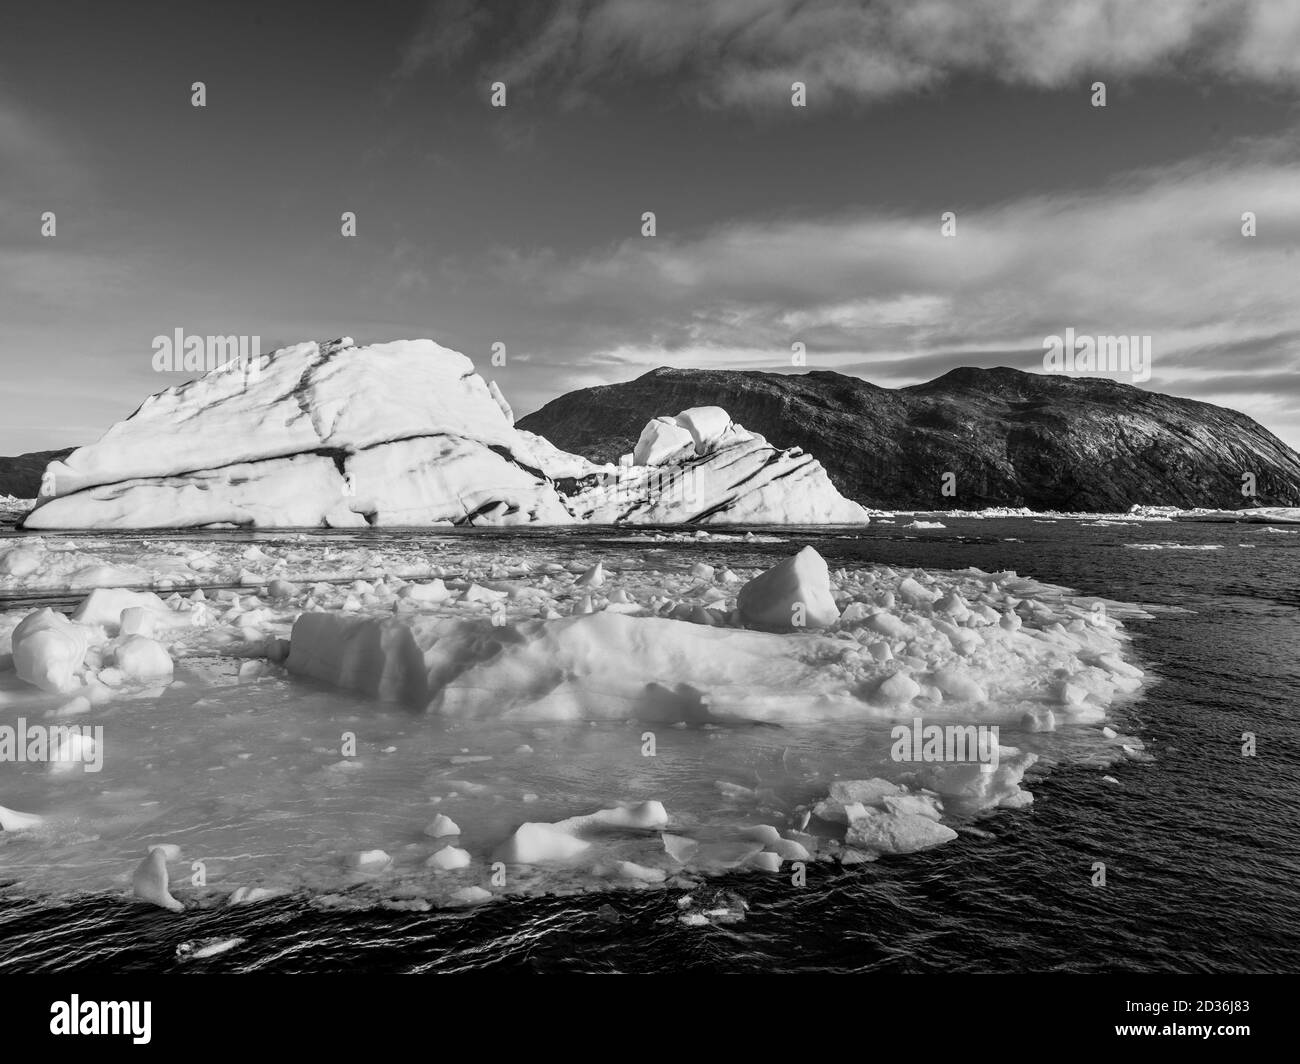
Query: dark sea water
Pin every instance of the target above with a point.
(1201, 844)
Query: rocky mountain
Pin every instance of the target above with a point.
(1009, 438)
(20, 475)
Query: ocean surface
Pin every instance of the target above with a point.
(1200, 842)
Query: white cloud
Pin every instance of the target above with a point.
(745, 51)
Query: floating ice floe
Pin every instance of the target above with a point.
(68, 657)
(12, 820)
(1174, 546)
(448, 859)
(205, 948)
(150, 882)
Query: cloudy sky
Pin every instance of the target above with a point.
(775, 224)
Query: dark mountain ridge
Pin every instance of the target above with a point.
(1009, 438)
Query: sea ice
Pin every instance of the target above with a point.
(893, 830)
(1280, 515)
(470, 896)
(207, 948)
(509, 710)
(12, 820)
(536, 843)
(442, 827)
(48, 650)
(150, 882)
(142, 659)
(448, 859)
(19, 561)
(370, 861)
(794, 594)
(104, 606)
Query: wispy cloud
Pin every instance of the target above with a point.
(746, 51)
(445, 31)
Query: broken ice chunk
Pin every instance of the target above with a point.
(442, 827)
(893, 831)
(794, 594)
(448, 858)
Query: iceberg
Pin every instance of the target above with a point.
(701, 467)
(794, 594)
(404, 433)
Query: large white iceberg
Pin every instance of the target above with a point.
(301, 399)
(405, 433)
(312, 435)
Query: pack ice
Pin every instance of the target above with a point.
(777, 648)
(405, 433)
(387, 741)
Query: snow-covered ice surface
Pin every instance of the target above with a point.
(445, 721)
